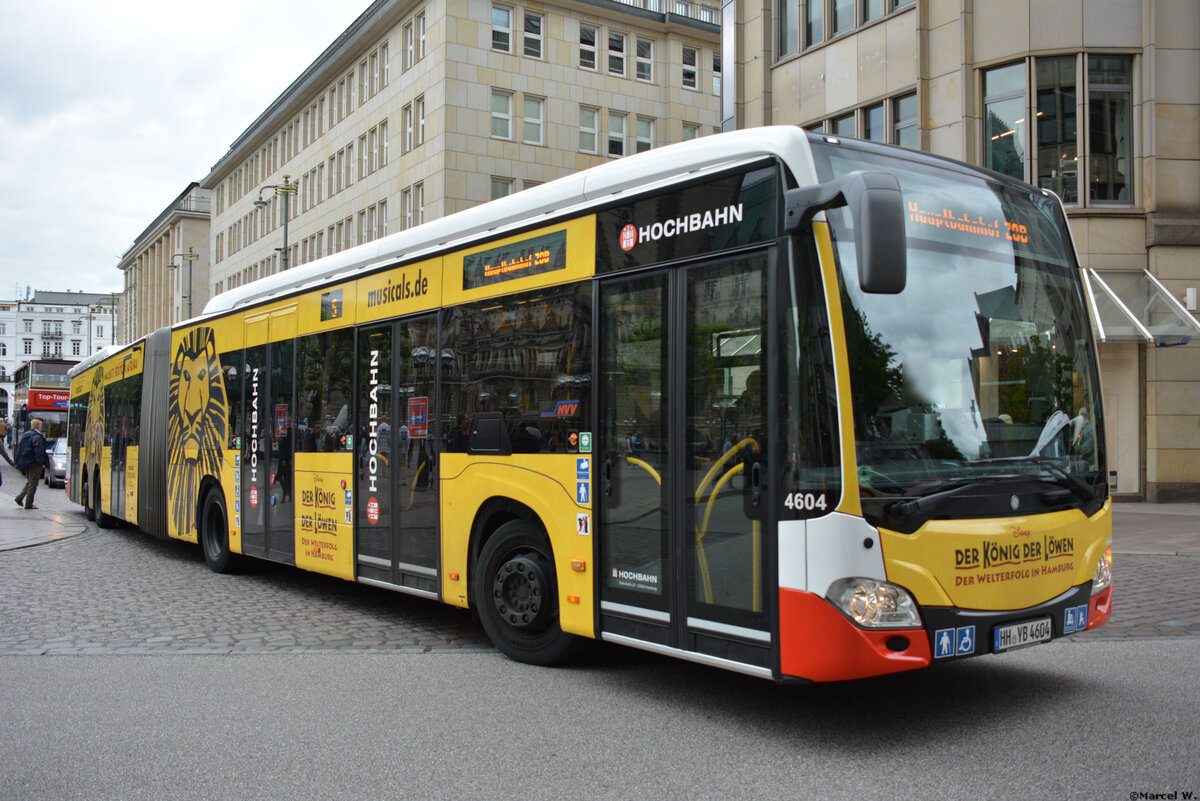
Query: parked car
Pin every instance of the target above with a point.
(56, 476)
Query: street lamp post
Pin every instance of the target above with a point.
(284, 190)
(190, 256)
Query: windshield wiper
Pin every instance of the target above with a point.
(917, 506)
(1081, 487)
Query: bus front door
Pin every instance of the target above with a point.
(682, 438)
(396, 505)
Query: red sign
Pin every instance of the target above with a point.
(254, 496)
(48, 400)
(629, 237)
(373, 511)
(418, 418)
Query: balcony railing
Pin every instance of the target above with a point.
(684, 8)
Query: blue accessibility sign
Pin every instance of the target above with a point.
(964, 638)
(583, 468)
(943, 643)
(583, 492)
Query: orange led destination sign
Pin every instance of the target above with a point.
(541, 254)
(978, 225)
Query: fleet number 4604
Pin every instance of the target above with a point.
(804, 501)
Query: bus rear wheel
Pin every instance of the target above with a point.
(517, 596)
(214, 534)
(85, 497)
(102, 520)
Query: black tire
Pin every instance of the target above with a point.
(516, 595)
(214, 534)
(85, 497)
(103, 520)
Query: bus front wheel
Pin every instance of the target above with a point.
(214, 534)
(517, 596)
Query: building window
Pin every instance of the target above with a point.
(843, 125)
(717, 74)
(814, 23)
(1057, 149)
(28, 347)
(1055, 153)
(589, 124)
(419, 115)
(787, 30)
(1004, 119)
(617, 131)
(873, 127)
(501, 29)
(501, 114)
(419, 203)
(532, 130)
(406, 213)
(904, 121)
(691, 61)
(406, 123)
(501, 187)
(1110, 128)
(645, 60)
(690, 131)
(843, 16)
(645, 134)
(533, 35)
(587, 47)
(616, 54)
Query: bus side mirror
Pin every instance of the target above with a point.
(876, 209)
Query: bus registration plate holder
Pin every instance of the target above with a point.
(1018, 635)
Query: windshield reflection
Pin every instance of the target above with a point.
(975, 388)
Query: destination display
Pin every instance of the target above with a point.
(541, 254)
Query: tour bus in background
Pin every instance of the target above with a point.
(41, 389)
(797, 406)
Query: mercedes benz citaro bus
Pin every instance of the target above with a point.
(797, 406)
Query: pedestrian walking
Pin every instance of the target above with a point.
(4, 435)
(31, 459)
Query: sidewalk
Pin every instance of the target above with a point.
(55, 518)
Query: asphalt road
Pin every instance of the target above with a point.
(129, 671)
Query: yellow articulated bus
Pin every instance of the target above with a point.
(796, 406)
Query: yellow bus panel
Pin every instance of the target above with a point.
(997, 563)
(325, 513)
(396, 292)
(546, 483)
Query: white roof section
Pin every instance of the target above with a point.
(572, 194)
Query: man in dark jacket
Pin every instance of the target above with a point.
(31, 458)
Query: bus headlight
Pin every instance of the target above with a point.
(1103, 578)
(874, 604)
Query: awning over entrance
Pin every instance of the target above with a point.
(1132, 306)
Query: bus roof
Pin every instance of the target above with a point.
(571, 194)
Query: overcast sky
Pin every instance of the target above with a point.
(109, 109)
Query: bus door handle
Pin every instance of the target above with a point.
(756, 482)
(608, 475)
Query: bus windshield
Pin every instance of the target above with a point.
(975, 390)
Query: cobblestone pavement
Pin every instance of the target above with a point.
(121, 591)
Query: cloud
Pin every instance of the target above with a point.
(108, 110)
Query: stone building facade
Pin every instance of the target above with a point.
(421, 109)
(1097, 100)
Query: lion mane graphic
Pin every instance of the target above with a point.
(93, 432)
(196, 424)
